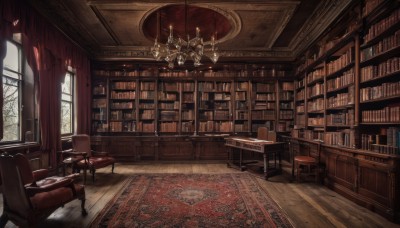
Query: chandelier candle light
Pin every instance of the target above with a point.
(179, 50)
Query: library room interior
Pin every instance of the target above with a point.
(196, 113)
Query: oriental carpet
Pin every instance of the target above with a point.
(192, 200)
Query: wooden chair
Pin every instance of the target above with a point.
(93, 160)
(304, 162)
(30, 196)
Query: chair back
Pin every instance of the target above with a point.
(81, 143)
(14, 176)
(262, 133)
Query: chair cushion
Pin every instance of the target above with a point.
(98, 162)
(305, 159)
(47, 200)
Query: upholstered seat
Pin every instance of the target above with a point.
(30, 196)
(93, 160)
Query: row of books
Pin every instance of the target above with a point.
(315, 75)
(300, 94)
(388, 67)
(122, 126)
(187, 97)
(146, 105)
(341, 62)
(174, 105)
(168, 86)
(99, 103)
(381, 47)
(265, 96)
(121, 105)
(223, 126)
(119, 115)
(147, 115)
(242, 115)
(124, 85)
(284, 126)
(263, 115)
(314, 135)
(123, 95)
(345, 118)
(147, 127)
(188, 86)
(340, 138)
(286, 105)
(261, 105)
(147, 85)
(287, 86)
(286, 114)
(386, 144)
(240, 96)
(316, 121)
(241, 105)
(385, 115)
(382, 25)
(99, 116)
(242, 86)
(340, 99)
(347, 78)
(264, 87)
(168, 127)
(167, 96)
(188, 115)
(99, 90)
(300, 108)
(316, 105)
(187, 126)
(315, 90)
(381, 91)
(99, 127)
(169, 115)
(242, 127)
(147, 95)
(287, 95)
(267, 124)
(370, 5)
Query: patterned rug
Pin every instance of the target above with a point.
(192, 200)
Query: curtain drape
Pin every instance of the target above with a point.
(48, 53)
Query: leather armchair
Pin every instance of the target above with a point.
(93, 160)
(30, 196)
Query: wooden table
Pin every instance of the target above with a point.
(267, 148)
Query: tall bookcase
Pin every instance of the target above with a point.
(347, 96)
(150, 102)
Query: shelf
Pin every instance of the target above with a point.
(340, 88)
(391, 30)
(381, 78)
(382, 56)
(315, 96)
(339, 72)
(381, 99)
(343, 107)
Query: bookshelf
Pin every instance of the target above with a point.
(285, 107)
(380, 82)
(263, 108)
(99, 106)
(242, 107)
(147, 106)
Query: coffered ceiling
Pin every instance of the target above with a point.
(256, 30)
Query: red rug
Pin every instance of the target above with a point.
(192, 200)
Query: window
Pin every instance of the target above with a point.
(67, 105)
(12, 79)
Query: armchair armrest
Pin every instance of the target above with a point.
(40, 174)
(33, 188)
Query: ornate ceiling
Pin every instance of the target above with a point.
(256, 30)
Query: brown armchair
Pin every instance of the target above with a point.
(93, 160)
(30, 196)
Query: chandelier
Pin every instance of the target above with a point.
(178, 50)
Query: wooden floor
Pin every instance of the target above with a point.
(306, 203)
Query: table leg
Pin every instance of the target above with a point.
(240, 159)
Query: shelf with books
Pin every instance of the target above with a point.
(214, 106)
(285, 107)
(122, 105)
(263, 105)
(147, 114)
(241, 106)
(99, 106)
(188, 107)
(169, 106)
(380, 83)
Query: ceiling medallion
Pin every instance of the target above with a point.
(182, 39)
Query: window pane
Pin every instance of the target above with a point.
(11, 74)
(11, 109)
(12, 60)
(66, 97)
(66, 86)
(66, 117)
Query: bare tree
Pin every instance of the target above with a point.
(10, 110)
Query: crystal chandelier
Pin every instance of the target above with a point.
(178, 50)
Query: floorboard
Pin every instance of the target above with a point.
(306, 203)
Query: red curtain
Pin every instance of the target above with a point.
(49, 53)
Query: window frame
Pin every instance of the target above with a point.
(20, 86)
(71, 102)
